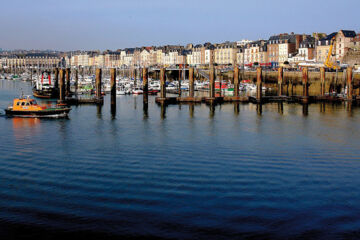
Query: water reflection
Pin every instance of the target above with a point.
(25, 123)
(163, 111)
(322, 107)
(99, 111)
(259, 109)
(305, 109)
(236, 108)
(145, 110)
(113, 107)
(281, 108)
(212, 109)
(191, 110)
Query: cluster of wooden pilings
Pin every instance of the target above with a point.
(259, 98)
(62, 82)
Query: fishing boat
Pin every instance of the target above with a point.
(45, 90)
(27, 107)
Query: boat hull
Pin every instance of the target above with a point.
(49, 113)
(51, 93)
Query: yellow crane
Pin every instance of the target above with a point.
(328, 63)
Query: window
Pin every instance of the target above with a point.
(18, 103)
(22, 104)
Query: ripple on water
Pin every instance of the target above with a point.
(226, 176)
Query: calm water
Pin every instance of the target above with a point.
(181, 173)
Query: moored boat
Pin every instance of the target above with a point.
(45, 90)
(27, 107)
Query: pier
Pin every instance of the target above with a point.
(304, 87)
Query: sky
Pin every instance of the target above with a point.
(115, 24)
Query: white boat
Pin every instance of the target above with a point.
(120, 90)
(137, 91)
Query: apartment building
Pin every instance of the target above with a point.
(225, 53)
(344, 41)
(322, 48)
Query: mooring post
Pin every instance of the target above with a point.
(162, 83)
(236, 81)
(322, 81)
(280, 80)
(56, 78)
(62, 86)
(305, 78)
(212, 83)
(191, 82)
(259, 84)
(67, 82)
(179, 85)
(98, 83)
(134, 74)
(145, 85)
(113, 86)
(76, 80)
(349, 74)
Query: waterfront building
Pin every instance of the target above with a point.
(344, 41)
(100, 60)
(111, 59)
(322, 48)
(128, 58)
(307, 49)
(145, 57)
(273, 50)
(32, 60)
(225, 53)
(209, 54)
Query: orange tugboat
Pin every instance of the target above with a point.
(27, 107)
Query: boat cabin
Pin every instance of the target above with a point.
(25, 104)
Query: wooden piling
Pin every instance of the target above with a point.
(98, 83)
(236, 81)
(349, 74)
(145, 81)
(212, 83)
(62, 86)
(322, 81)
(56, 78)
(258, 84)
(162, 84)
(134, 74)
(113, 86)
(145, 88)
(280, 80)
(67, 82)
(191, 82)
(76, 80)
(305, 78)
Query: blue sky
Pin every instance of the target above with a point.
(110, 24)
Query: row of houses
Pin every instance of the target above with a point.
(278, 49)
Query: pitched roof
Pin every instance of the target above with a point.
(348, 33)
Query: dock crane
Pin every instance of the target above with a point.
(328, 63)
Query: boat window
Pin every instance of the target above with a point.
(23, 104)
(18, 103)
(27, 104)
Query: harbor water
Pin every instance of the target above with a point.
(180, 172)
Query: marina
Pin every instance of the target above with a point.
(179, 120)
